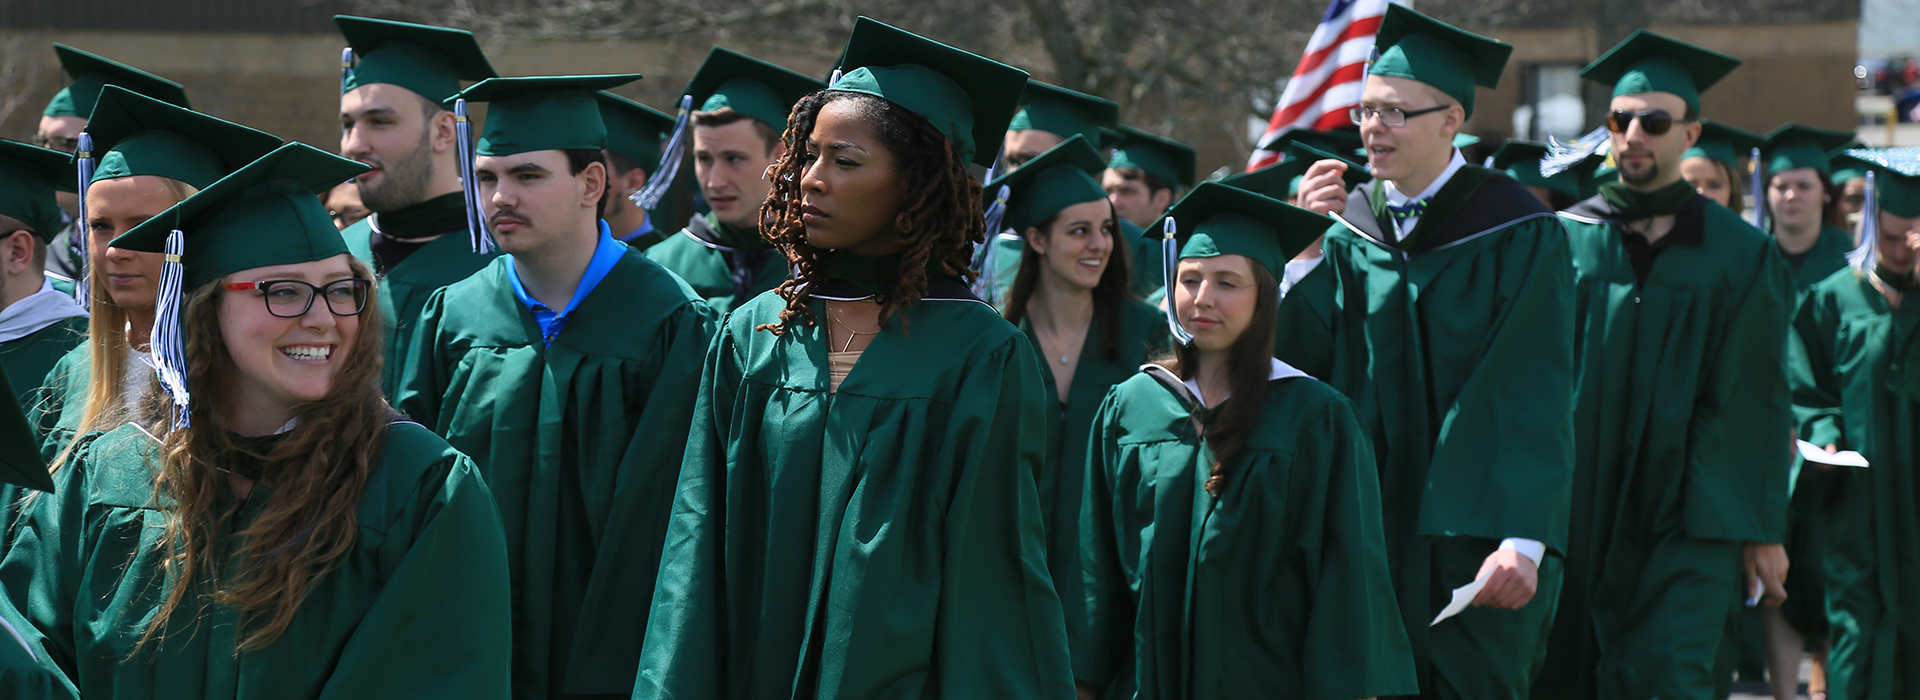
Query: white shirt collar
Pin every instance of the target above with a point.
(36, 311)
(1275, 371)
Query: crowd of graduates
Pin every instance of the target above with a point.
(954, 388)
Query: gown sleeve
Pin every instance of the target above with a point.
(441, 625)
(1740, 458)
(41, 572)
(424, 379)
(1103, 649)
(1303, 335)
(1810, 373)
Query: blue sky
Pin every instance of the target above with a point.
(1889, 27)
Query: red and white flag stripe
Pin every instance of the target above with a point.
(1329, 76)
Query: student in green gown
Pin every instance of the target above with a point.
(26, 673)
(1070, 297)
(279, 531)
(1520, 160)
(1850, 180)
(634, 134)
(1233, 537)
(1803, 205)
(394, 117)
(38, 323)
(1146, 174)
(1444, 312)
(1712, 165)
(567, 370)
(1856, 389)
(743, 105)
(148, 154)
(1681, 413)
(857, 515)
(1048, 116)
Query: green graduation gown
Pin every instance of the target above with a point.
(416, 607)
(1143, 332)
(405, 288)
(580, 442)
(30, 357)
(1683, 427)
(26, 673)
(1841, 396)
(1278, 589)
(1806, 606)
(724, 265)
(1456, 346)
(881, 541)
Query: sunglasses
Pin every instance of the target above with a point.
(1654, 121)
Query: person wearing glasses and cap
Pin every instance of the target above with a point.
(1856, 388)
(1681, 415)
(1447, 306)
(567, 370)
(394, 116)
(268, 526)
(740, 106)
(857, 515)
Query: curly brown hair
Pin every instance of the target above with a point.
(939, 225)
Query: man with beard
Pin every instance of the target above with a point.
(392, 118)
(1682, 422)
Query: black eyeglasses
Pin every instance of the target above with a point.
(1391, 117)
(58, 143)
(1654, 121)
(293, 298)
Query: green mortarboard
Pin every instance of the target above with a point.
(267, 213)
(1649, 62)
(430, 61)
(1897, 178)
(1846, 167)
(1062, 112)
(1216, 219)
(1065, 175)
(1464, 140)
(1520, 160)
(1169, 160)
(1723, 143)
(20, 464)
(968, 98)
(29, 175)
(1341, 140)
(90, 73)
(634, 130)
(137, 135)
(1282, 180)
(543, 113)
(1792, 146)
(1418, 47)
(750, 86)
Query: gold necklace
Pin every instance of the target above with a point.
(851, 333)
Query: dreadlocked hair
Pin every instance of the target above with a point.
(939, 225)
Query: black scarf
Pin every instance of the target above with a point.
(1635, 204)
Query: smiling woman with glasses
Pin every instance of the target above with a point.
(293, 298)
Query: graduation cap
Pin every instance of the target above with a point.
(1171, 161)
(1282, 180)
(1520, 160)
(1216, 219)
(1792, 146)
(634, 130)
(1057, 110)
(1065, 175)
(1723, 143)
(1341, 140)
(1897, 177)
(750, 86)
(1649, 62)
(90, 73)
(430, 61)
(1452, 60)
(20, 464)
(966, 97)
(1846, 167)
(29, 175)
(133, 134)
(267, 213)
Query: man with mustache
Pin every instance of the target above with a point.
(567, 369)
(1682, 423)
(392, 118)
(1442, 306)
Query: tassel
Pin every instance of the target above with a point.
(661, 180)
(832, 79)
(476, 221)
(346, 68)
(1562, 156)
(1866, 254)
(168, 342)
(1757, 190)
(83, 162)
(1170, 252)
(987, 258)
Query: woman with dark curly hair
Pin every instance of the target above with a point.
(857, 513)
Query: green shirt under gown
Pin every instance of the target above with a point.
(881, 541)
(721, 261)
(31, 356)
(1853, 339)
(415, 608)
(1455, 344)
(405, 288)
(1682, 425)
(579, 441)
(1277, 589)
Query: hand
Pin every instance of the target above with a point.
(1511, 578)
(1766, 562)
(1321, 190)
(1083, 691)
(1831, 449)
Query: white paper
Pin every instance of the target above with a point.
(1818, 455)
(1462, 597)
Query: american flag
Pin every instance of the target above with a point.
(1329, 77)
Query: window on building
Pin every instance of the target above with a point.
(1550, 103)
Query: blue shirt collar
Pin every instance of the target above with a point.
(606, 253)
(646, 227)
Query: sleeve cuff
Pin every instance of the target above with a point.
(1533, 549)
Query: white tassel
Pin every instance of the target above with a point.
(661, 179)
(168, 342)
(469, 184)
(1757, 190)
(1170, 253)
(346, 68)
(832, 79)
(1561, 156)
(1866, 254)
(83, 162)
